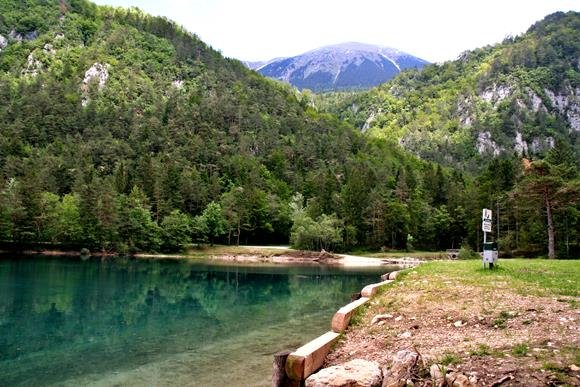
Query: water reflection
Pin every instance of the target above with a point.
(178, 322)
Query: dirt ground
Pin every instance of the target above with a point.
(494, 336)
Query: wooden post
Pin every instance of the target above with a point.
(279, 377)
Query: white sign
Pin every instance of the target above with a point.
(486, 214)
(486, 225)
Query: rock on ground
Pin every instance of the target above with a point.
(406, 366)
(355, 373)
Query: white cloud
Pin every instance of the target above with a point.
(434, 30)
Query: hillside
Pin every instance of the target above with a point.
(515, 97)
(347, 66)
(123, 132)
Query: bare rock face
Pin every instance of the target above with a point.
(568, 104)
(98, 72)
(406, 366)
(3, 42)
(355, 373)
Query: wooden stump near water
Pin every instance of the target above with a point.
(279, 377)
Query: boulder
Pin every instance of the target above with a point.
(405, 367)
(3, 42)
(355, 373)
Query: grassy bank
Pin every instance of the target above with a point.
(525, 276)
(519, 320)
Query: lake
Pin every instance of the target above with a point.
(68, 322)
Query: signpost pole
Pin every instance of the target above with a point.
(486, 217)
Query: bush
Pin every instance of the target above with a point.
(466, 252)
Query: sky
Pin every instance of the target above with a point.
(434, 30)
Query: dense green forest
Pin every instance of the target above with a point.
(123, 132)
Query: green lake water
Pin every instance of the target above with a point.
(69, 322)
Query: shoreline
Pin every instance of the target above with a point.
(253, 256)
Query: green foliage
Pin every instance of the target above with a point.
(520, 350)
(136, 227)
(177, 231)
(449, 359)
(466, 252)
(324, 232)
(481, 350)
(213, 220)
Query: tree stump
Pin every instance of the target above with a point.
(279, 377)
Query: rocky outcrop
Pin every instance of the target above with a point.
(178, 84)
(567, 103)
(496, 93)
(97, 72)
(3, 42)
(48, 49)
(521, 146)
(355, 373)
(486, 145)
(368, 123)
(19, 37)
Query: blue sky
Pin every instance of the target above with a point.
(435, 30)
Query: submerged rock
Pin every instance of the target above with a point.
(355, 373)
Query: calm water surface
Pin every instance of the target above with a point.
(181, 323)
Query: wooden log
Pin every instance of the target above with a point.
(342, 317)
(309, 358)
(370, 290)
(279, 377)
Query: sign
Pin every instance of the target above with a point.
(486, 214)
(486, 225)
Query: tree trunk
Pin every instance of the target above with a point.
(551, 248)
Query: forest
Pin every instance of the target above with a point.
(122, 132)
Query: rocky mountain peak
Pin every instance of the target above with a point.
(343, 66)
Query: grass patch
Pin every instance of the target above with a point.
(449, 358)
(358, 316)
(526, 276)
(520, 350)
(481, 350)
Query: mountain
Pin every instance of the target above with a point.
(518, 97)
(346, 66)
